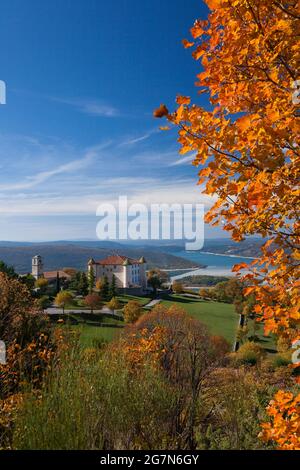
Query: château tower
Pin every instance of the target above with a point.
(37, 267)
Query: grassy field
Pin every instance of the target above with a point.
(89, 333)
(141, 300)
(219, 317)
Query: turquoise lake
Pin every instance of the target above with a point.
(217, 264)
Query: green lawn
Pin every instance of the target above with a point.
(141, 300)
(219, 317)
(89, 332)
(90, 317)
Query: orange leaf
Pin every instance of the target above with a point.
(187, 44)
(183, 99)
(161, 111)
(238, 267)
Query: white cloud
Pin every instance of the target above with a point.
(141, 138)
(145, 191)
(91, 107)
(43, 176)
(184, 160)
(72, 182)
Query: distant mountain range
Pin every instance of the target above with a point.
(76, 254)
(161, 254)
(249, 247)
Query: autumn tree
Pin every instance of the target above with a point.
(155, 278)
(183, 349)
(41, 284)
(63, 299)
(205, 293)
(132, 311)
(177, 287)
(17, 313)
(26, 333)
(246, 144)
(99, 284)
(114, 304)
(92, 301)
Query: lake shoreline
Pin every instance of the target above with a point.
(226, 254)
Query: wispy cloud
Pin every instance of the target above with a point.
(43, 176)
(162, 192)
(138, 139)
(59, 178)
(91, 107)
(183, 160)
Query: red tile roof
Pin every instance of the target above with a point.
(116, 260)
(53, 274)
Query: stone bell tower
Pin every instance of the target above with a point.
(37, 267)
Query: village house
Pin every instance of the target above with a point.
(37, 270)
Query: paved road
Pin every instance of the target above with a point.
(55, 310)
(153, 302)
(106, 310)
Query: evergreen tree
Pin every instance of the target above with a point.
(57, 283)
(104, 290)
(8, 270)
(113, 288)
(83, 284)
(91, 280)
(28, 280)
(75, 281)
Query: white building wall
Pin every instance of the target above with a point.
(131, 275)
(108, 271)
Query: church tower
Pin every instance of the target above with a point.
(37, 267)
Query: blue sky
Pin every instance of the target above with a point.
(83, 78)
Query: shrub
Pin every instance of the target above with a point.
(249, 353)
(281, 360)
(283, 344)
(99, 343)
(235, 401)
(43, 302)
